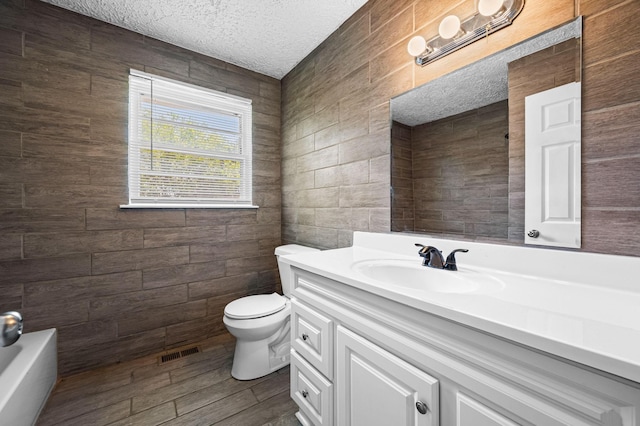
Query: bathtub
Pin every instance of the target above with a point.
(28, 371)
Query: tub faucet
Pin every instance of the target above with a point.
(10, 328)
(433, 257)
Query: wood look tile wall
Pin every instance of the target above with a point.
(335, 111)
(610, 127)
(402, 200)
(337, 100)
(460, 171)
(117, 284)
(123, 283)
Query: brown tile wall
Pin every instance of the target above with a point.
(402, 203)
(336, 123)
(117, 284)
(63, 159)
(611, 127)
(461, 174)
(335, 111)
(540, 71)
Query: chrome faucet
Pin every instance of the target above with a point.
(10, 328)
(432, 257)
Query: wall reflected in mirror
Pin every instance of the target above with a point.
(451, 176)
(457, 143)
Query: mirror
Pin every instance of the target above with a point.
(457, 142)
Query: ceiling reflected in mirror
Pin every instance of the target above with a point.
(479, 84)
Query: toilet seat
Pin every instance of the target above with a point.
(256, 306)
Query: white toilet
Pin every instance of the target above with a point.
(261, 325)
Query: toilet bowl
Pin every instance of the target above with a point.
(260, 324)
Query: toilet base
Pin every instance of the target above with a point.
(256, 359)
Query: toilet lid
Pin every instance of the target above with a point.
(256, 306)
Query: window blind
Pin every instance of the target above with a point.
(188, 146)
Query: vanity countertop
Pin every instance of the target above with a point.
(579, 306)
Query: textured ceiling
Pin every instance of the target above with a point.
(481, 83)
(267, 36)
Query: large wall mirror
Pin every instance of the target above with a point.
(458, 146)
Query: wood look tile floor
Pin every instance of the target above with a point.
(195, 390)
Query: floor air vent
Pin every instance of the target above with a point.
(172, 356)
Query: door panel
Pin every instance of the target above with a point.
(552, 169)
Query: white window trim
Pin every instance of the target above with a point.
(202, 96)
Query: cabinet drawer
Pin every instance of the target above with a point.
(311, 391)
(470, 412)
(304, 420)
(312, 337)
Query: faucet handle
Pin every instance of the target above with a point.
(432, 256)
(424, 252)
(423, 248)
(450, 263)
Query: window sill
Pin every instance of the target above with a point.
(187, 206)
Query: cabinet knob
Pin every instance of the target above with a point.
(305, 393)
(533, 233)
(305, 337)
(422, 407)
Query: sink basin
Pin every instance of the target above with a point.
(410, 274)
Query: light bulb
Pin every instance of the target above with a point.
(417, 45)
(449, 27)
(489, 7)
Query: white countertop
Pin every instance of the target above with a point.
(580, 306)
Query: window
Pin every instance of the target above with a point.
(188, 146)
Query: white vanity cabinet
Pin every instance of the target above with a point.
(359, 359)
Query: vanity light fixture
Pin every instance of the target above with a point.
(417, 46)
(450, 27)
(490, 7)
(454, 33)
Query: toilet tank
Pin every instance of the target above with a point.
(285, 269)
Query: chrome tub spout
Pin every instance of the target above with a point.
(10, 328)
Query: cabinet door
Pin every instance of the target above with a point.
(375, 387)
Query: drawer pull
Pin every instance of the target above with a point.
(305, 393)
(305, 337)
(422, 407)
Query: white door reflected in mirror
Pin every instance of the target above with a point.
(552, 167)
